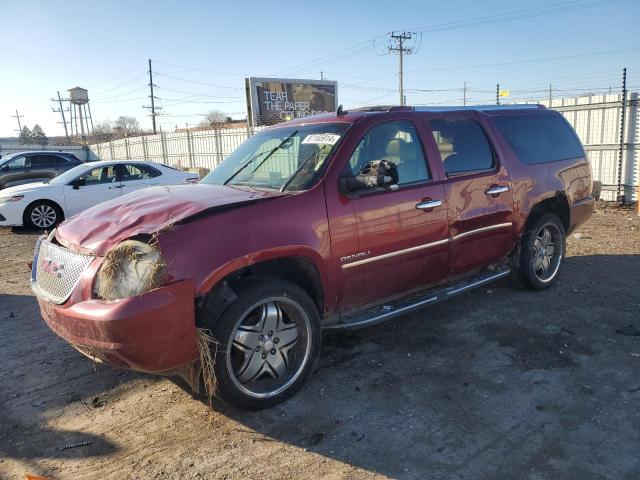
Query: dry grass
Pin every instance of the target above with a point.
(208, 347)
(114, 265)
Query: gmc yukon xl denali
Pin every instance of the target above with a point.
(329, 222)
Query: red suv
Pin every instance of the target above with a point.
(323, 223)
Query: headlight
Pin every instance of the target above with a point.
(129, 269)
(15, 198)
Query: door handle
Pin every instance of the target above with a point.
(497, 190)
(428, 204)
(117, 186)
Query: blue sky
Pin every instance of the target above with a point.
(104, 47)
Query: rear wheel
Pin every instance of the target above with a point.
(42, 215)
(542, 251)
(268, 343)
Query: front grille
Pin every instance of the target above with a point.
(56, 271)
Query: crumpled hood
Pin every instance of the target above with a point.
(146, 211)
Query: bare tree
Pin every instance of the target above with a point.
(127, 125)
(214, 119)
(103, 132)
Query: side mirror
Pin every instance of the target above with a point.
(376, 174)
(78, 182)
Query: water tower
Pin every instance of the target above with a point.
(80, 112)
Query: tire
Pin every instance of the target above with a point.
(42, 215)
(541, 253)
(254, 367)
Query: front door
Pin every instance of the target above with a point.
(96, 186)
(477, 191)
(387, 242)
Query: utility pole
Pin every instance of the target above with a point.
(623, 112)
(550, 94)
(321, 75)
(17, 116)
(464, 94)
(61, 112)
(398, 40)
(498, 94)
(153, 107)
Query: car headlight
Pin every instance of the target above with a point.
(14, 198)
(129, 269)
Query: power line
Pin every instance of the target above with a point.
(515, 62)
(121, 85)
(513, 15)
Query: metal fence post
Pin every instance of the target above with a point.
(111, 149)
(126, 148)
(145, 154)
(218, 137)
(190, 149)
(163, 144)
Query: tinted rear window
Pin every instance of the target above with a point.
(540, 138)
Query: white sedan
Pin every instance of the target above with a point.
(45, 204)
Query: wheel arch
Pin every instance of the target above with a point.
(556, 204)
(301, 270)
(43, 200)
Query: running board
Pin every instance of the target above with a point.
(386, 312)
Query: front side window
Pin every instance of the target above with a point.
(463, 146)
(540, 138)
(395, 142)
(99, 175)
(18, 163)
(282, 158)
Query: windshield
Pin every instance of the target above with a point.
(66, 177)
(288, 158)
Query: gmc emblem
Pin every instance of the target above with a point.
(52, 267)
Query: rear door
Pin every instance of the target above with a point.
(134, 176)
(96, 186)
(387, 242)
(477, 191)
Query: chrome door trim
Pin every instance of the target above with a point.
(396, 253)
(483, 229)
(497, 190)
(428, 204)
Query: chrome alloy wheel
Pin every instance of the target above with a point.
(269, 347)
(43, 216)
(547, 252)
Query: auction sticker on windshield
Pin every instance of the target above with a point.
(322, 138)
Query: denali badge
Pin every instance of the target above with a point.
(52, 267)
(355, 256)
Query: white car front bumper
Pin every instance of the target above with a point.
(11, 214)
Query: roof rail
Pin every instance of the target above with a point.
(482, 108)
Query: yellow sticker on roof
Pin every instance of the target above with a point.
(322, 138)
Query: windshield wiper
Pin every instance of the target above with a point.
(271, 152)
(302, 165)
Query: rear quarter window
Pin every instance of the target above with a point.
(540, 138)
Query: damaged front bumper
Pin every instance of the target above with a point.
(153, 332)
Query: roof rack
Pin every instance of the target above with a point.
(448, 108)
(483, 108)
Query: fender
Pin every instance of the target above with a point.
(253, 258)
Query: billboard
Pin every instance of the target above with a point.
(275, 100)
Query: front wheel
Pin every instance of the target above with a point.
(42, 215)
(542, 251)
(268, 343)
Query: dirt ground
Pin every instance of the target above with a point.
(498, 383)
